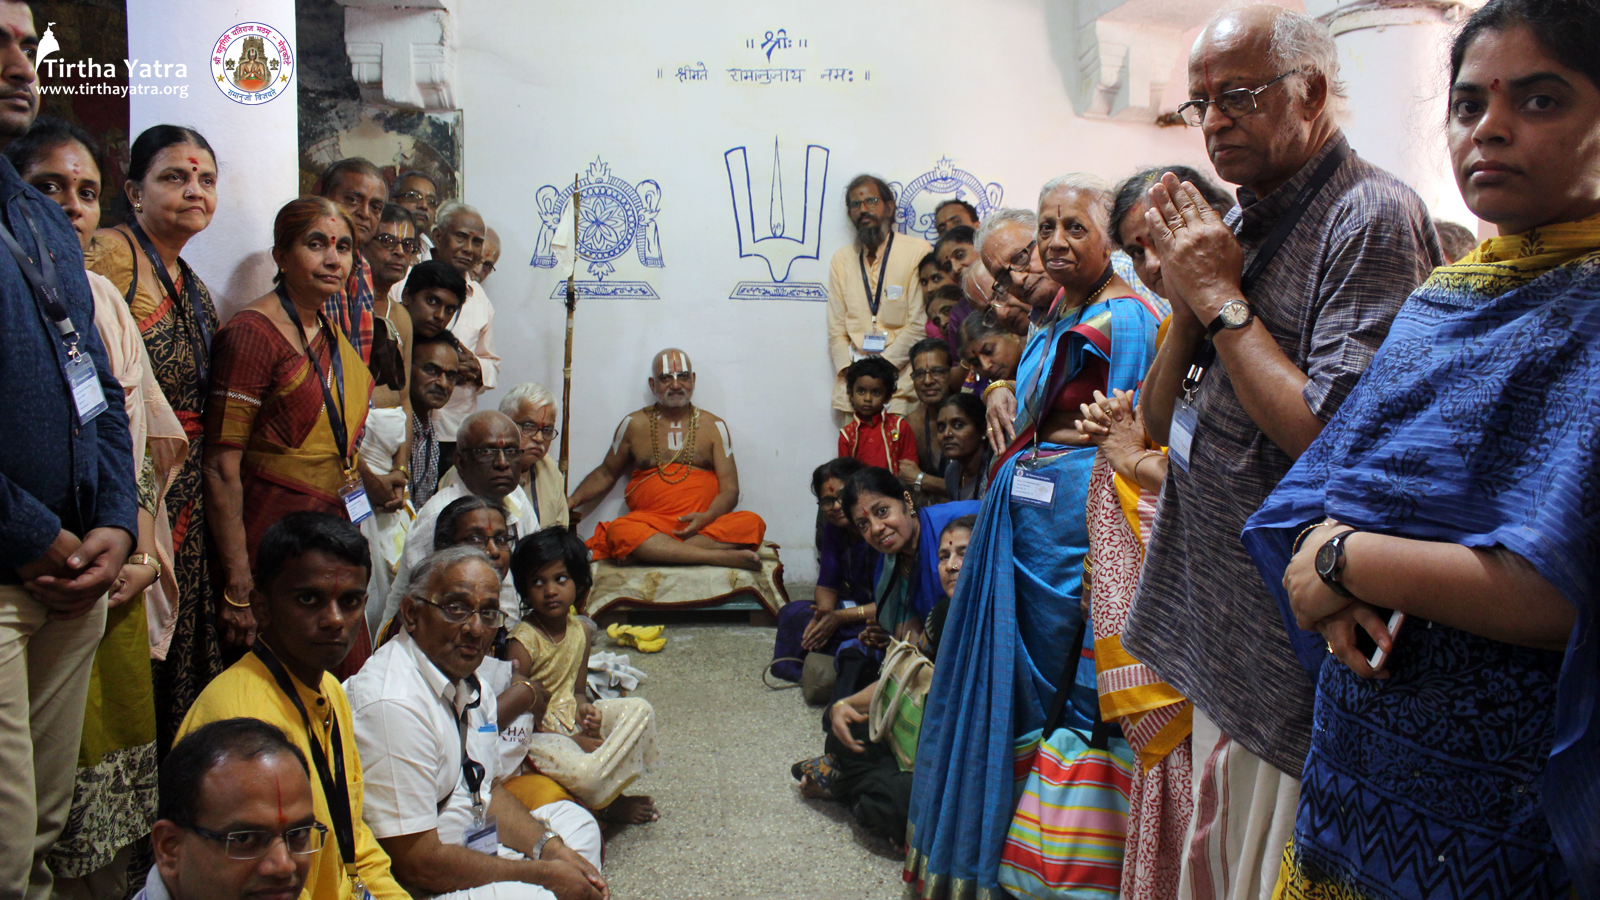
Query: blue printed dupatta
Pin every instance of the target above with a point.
(1478, 423)
(1013, 618)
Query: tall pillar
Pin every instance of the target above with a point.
(1393, 58)
(257, 144)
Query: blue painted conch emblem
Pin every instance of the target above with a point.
(779, 246)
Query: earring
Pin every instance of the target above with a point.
(138, 208)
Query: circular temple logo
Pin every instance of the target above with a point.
(252, 63)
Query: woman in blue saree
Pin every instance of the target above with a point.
(1460, 485)
(1018, 605)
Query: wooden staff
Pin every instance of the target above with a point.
(572, 308)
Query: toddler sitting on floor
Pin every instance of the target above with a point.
(594, 750)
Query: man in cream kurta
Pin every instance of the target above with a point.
(853, 330)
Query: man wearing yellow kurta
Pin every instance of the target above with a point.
(874, 298)
(302, 556)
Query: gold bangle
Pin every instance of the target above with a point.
(994, 385)
(234, 603)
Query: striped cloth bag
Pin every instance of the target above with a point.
(1070, 829)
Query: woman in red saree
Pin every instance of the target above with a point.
(289, 397)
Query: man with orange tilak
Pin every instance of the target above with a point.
(684, 486)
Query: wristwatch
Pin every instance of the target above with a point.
(146, 559)
(1233, 315)
(1330, 563)
(918, 483)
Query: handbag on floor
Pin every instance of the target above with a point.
(894, 717)
(1070, 828)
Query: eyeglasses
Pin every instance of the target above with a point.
(869, 203)
(433, 371)
(940, 372)
(300, 841)
(530, 429)
(409, 246)
(1233, 104)
(419, 197)
(488, 455)
(460, 613)
(488, 269)
(829, 502)
(483, 541)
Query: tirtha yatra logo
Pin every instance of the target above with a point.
(252, 63)
(93, 77)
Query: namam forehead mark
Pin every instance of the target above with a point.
(672, 361)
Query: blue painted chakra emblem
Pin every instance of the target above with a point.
(614, 216)
(916, 202)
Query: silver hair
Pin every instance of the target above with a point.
(452, 208)
(1000, 218)
(1083, 182)
(535, 394)
(1302, 43)
(479, 416)
(441, 561)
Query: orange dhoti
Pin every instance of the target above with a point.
(654, 507)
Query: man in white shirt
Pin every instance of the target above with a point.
(236, 818)
(428, 737)
(490, 447)
(458, 240)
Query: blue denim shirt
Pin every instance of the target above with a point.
(54, 473)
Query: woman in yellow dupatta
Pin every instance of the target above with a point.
(289, 397)
(1123, 488)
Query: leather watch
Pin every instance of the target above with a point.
(146, 559)
(1233, 315)
(1330, 563)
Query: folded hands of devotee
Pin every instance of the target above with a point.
(874, 636)
(824, 622)
(1317, 608)
(1201, 261)
(72, 576)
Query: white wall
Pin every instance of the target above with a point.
(546, 87)
(257, 147)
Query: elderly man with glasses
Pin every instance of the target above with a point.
(488, 454)
(684, 483)
(534, 409)
(428, 735)
(1277, 308)
(874, 297)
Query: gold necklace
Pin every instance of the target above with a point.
(684, 463)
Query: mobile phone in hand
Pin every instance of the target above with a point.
(1369, 648)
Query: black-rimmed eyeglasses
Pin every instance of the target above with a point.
(1233, 104)
(305, 839)
(460, 613)
(408, 246)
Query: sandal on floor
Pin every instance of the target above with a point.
(816, 775)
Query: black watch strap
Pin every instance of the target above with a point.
(1332, 574)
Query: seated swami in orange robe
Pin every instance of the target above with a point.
(684, 484)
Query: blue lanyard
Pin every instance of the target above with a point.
(341, 436)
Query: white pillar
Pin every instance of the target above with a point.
(257, 145)
(1392, 58)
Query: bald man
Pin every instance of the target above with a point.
(684, 486)
(488, 450)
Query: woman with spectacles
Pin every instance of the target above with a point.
(534, 410)
(1018, 607)
(288, 404)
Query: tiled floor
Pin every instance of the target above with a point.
(733, 826)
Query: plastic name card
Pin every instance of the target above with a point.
(87, 394)
(876, 342)
(356, 503)
(1181, 434)
(485, 838)
(1033, 488)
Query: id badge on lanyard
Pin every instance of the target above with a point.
(1033, 485)
(1181, 435)
(876, 341)
(356, 504)
(87, 394)
(484, 835)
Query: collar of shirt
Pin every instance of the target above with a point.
(517, 507)
(312, 697)
(457, 694)
(422, 425)
(154, 887)
(1257, 215)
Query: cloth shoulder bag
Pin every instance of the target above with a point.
(894, 717)
(1070, 829)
